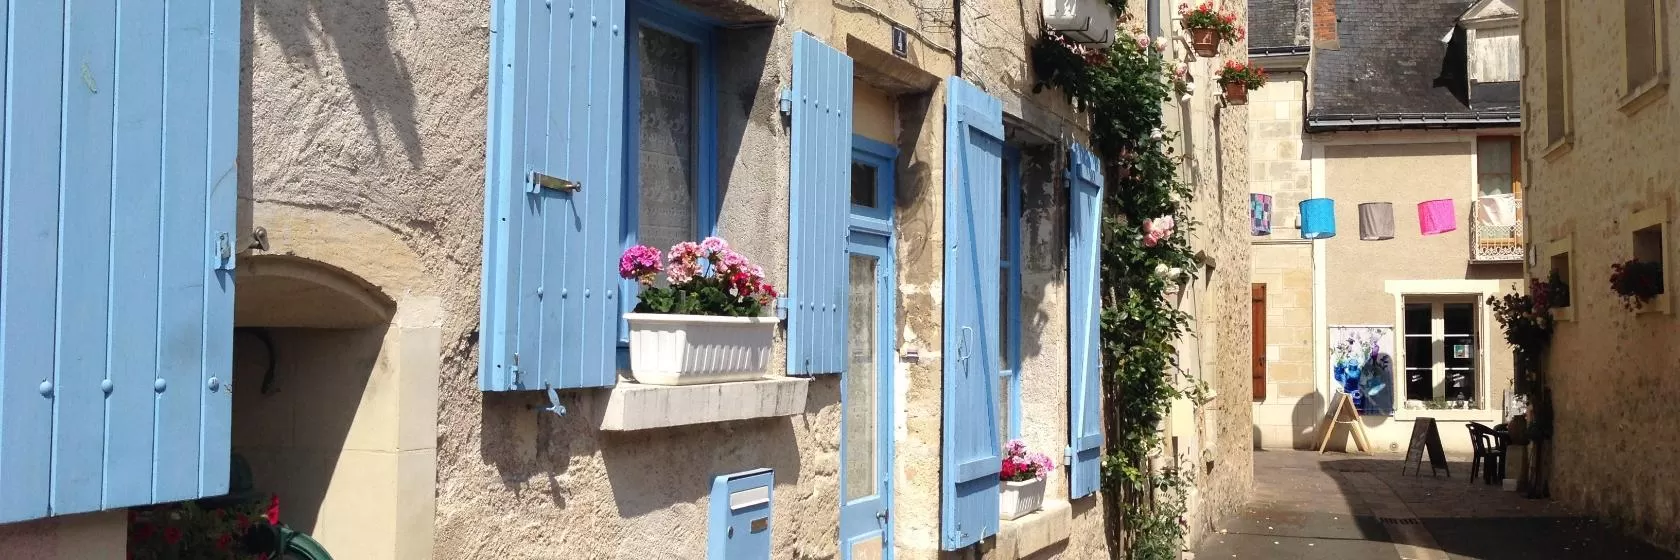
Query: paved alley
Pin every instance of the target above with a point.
(1337, 506)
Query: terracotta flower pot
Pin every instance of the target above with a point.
(1236, 93)
(1205, 41)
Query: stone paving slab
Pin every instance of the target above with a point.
(1308, 505)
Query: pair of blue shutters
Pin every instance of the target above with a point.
(116, 253)
(557, 114)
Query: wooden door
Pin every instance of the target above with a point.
(1258, 314)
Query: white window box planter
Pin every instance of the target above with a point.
(1020, 498)
(695, 349)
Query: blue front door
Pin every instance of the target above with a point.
(866, 387)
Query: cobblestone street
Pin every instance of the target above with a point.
(1339, 506)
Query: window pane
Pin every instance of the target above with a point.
(863, 184)
(1003, 409)
(1493, 165)
(1459, 319)
(666, 211)
(1008, 314)
(860, 381)
(1417, 319)
(1461, 385)
(1419, 384)
(1419, 352)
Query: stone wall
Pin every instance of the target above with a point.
(1612, 372)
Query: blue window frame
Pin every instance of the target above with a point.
(872, 170)
(1010, 300)
(701, 34)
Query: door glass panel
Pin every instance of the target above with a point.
(1459, 319)
(860, 381)
(863, 185)
(665, 213)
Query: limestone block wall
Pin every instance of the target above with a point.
(1612, 373)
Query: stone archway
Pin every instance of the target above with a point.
(335, 405)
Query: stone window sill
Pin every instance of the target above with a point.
(633, 406)
(1657, 305)
(1558, 148)
(1485, 416)
(1644, 95)
(1035, 532)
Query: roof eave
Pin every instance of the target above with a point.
(1412, 121)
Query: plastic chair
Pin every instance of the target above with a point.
(1489, 458)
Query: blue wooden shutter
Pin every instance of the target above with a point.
(1085, 436)
(820, 207)
(117, 249)
(551, 253)
(973, 192)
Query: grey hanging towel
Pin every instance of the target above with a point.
(1376, 221)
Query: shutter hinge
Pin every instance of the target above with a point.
(221, 251)
(786, 101)
(782, 305)
(514, 371)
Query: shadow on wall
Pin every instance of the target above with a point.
(358, 32)
(648, 470)
(296, 435)
(1044, 240)
(1308, 414)
(745, 101)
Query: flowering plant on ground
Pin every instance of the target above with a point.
(705, 278)
(1248, 75)
(1636, 281)
(1020, 465)
(208, 529)
(1205, 16)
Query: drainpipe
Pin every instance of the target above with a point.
(957, 28)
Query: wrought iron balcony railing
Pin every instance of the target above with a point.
(1496, 238)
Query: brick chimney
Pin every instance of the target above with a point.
(1324, 25)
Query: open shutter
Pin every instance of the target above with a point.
(1085, 437)
(554, 191)
(821, 182)
(1257, 318)
(117, 250)
(973, 192)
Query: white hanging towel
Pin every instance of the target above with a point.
(1497, 210)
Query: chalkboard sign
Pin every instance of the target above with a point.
(1425, 436)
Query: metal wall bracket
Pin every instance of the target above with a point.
(786, 101)
(221, 251)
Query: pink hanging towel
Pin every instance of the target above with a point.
(1436, 216)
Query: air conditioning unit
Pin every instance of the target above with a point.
(1083, 21)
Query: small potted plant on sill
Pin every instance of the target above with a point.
(1023, 477)
(1209, 27)
(1636, 281)
(705, 323)
(1238, 78)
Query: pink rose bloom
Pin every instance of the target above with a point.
(1156, 230)
(1142, 41)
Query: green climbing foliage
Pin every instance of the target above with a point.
(1122, 89)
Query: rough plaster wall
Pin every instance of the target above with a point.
(87, 536)
(368, 118)
(1356, 270)
(1217, 148)
(1612, 373)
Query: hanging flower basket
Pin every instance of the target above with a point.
(1209, 27)
(1205, 41)
(705, 325)
(1238, 78)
